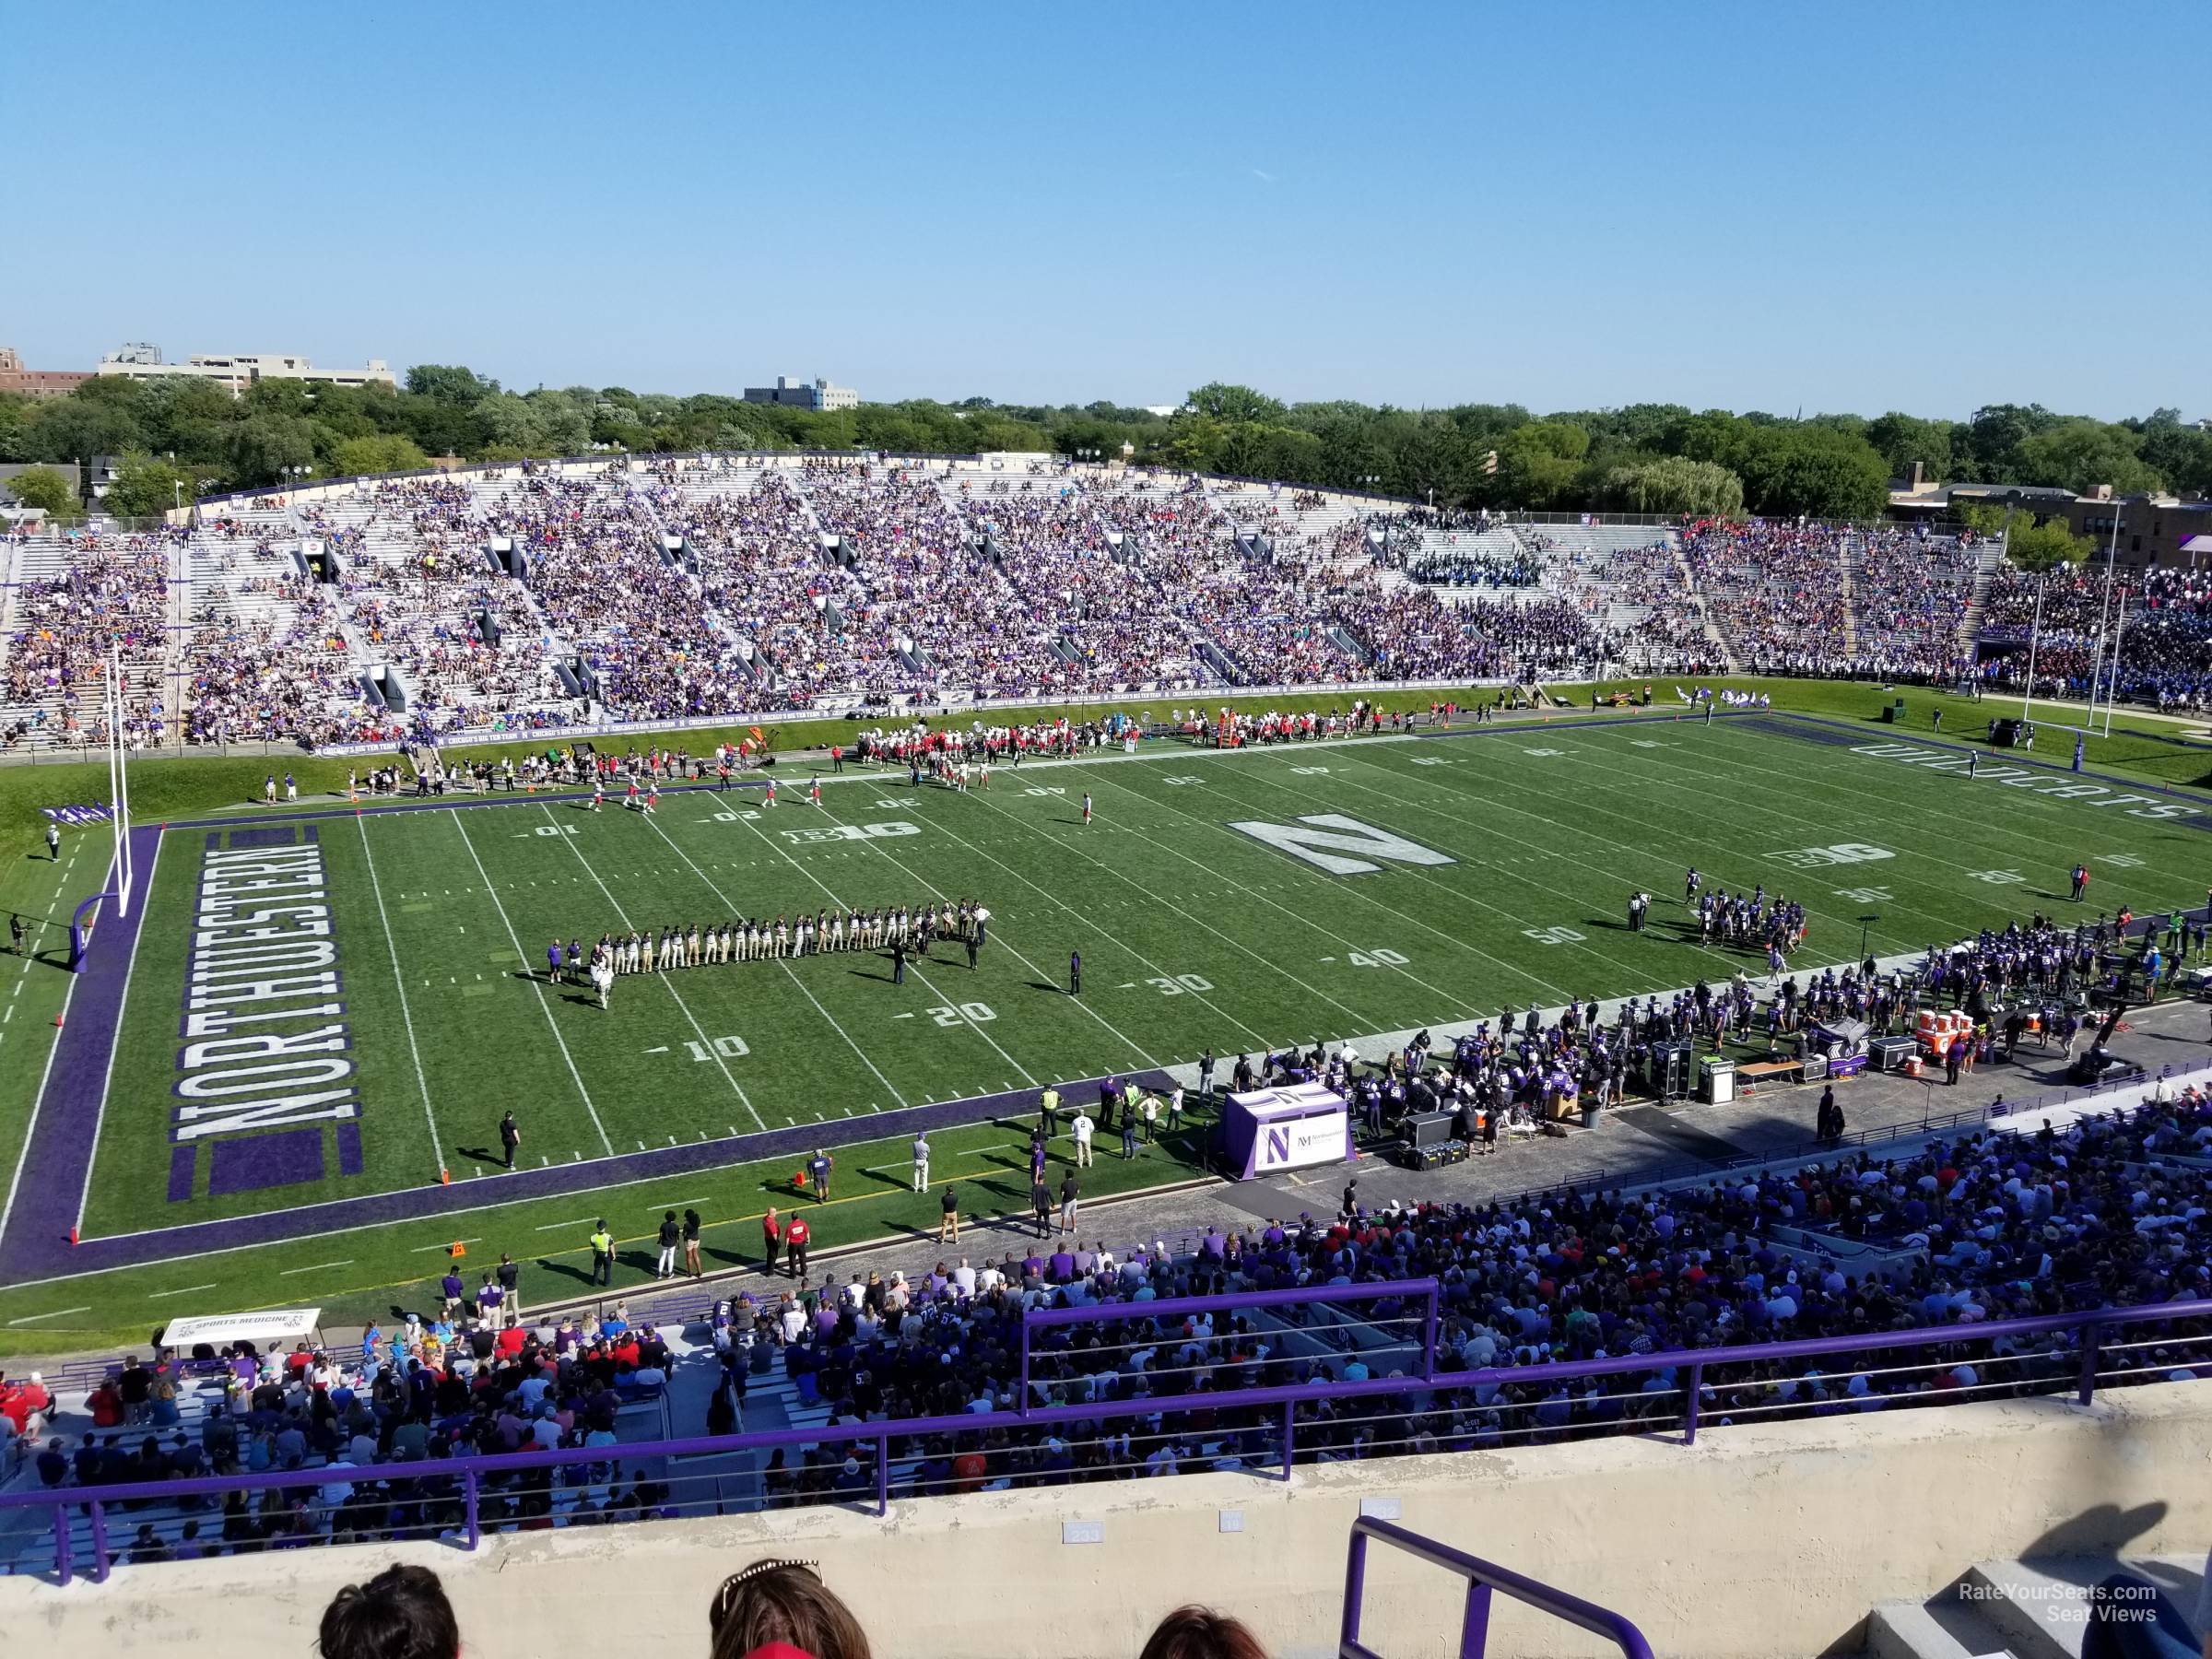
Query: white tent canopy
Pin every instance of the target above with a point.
(275, 1324)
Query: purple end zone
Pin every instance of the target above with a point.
(180, 1173)
(26, 1253)
(282, 1158)
(65, 1126)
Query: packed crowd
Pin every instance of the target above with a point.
(2162, 619)
(112, 594)
(727, 584)
(1814, 599)
(2114, 1211)
(1912, 594)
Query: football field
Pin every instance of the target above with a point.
(282, 1081)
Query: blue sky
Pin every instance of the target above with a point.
(1830, 206)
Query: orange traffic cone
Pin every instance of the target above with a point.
(444, 1176)
(457, 1250)
(57, 1021)
(73, 1238)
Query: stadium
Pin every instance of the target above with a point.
(840, 1025)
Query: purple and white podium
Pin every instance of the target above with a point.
(1294, 1128)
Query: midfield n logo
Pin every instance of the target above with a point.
(1333, 835)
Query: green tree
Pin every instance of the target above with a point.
(2081, 454)
(1224, 402)
(2044, 547)
(1986, 448)
(386, 452)
(79, 427)
(145, 487)
(44, 488)
(450, 384)
(1672, 484)
(1816, 472)
(261, 446)
(1902, 440)
(1537, 463)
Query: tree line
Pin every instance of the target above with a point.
(1655, 458)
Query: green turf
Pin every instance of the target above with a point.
(1193, 932)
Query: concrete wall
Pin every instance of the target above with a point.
(1762, 1540)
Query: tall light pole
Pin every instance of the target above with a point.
(2034, 628)
(2111, 551)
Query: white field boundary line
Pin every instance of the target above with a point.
(406, 1014)
(715, 888)
(1134, 1047)
(544, 1006)
(123, 1008)
(1020, 1070)
(38, 1100)
(683, 1008)
(1185, 1073)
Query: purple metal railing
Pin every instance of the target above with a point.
(1483, 1578)
(695, 1307)
(1423, 1291)
(471, 1472)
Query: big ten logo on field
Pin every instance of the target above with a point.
(1341, 845)
(851, 833)
(1821, 858)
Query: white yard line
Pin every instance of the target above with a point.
(41, 1318)
(405, 1014)
(1026, 1075)
(122, 1004)
(1577, 902)
(181, 1291)
(1134, 1047)
(1119, 943)
(544, 1006)
(318, 1267)
(788, 971)
(1924, 807)
(697, 1030)
(1443, 998)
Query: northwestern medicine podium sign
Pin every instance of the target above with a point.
(1293, 1128)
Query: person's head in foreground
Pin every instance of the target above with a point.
(401, 1613)
(781, 1608)
(1195, 1632)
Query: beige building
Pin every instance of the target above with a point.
(234, 373)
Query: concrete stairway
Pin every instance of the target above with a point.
(1848, 557)
(2023, 1609)
(1977, 604)
(1689, 584)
